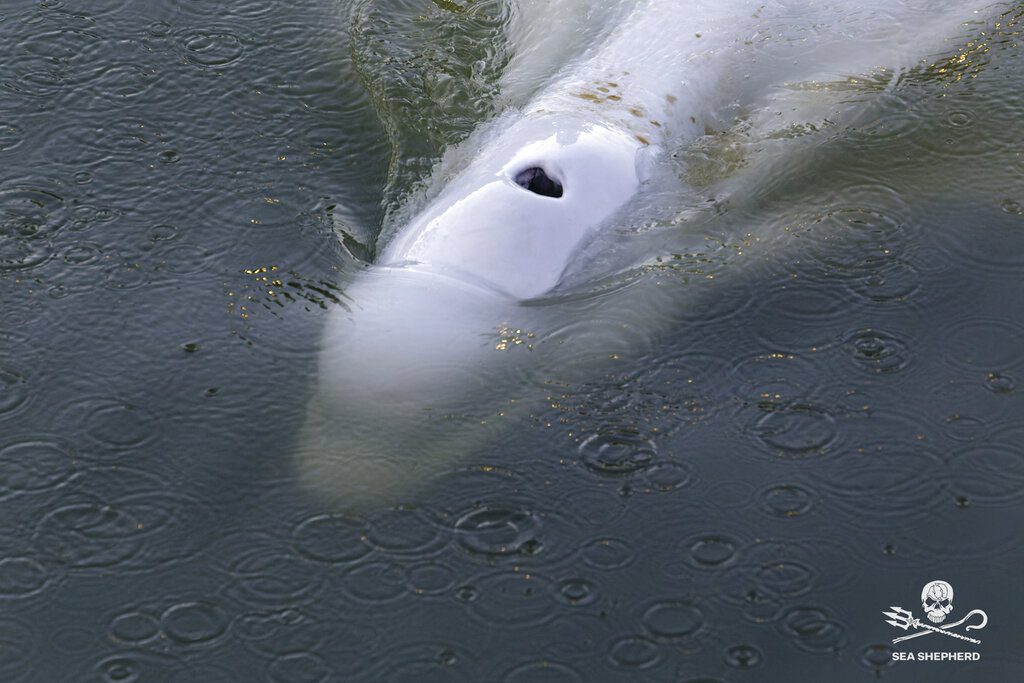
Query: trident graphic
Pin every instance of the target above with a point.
(901, 618)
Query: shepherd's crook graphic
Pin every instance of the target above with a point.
(984, 620)
(901, 618)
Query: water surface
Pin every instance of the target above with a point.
(788, 452)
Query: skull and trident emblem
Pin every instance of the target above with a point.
(937, 603)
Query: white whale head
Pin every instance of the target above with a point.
(516, 216)
(403, 373)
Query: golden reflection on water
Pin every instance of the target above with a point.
(971, 59)
(509, 338)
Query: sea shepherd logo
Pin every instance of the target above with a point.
(937, 603)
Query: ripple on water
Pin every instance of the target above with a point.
(854, 241)
(774, 573)
(299, 667)
(171, 522)
(743, 656)
(952, 138)
(112, 424)
(48, 62)
(794, 429)
(291, 630)
(181, 258)
(121, 668)
(673, 619)
(34, 467)
(877, 658)
(87, 11)
(711, 551)
(513, 600)
(81, 254)
(119, 83)
(658, 399)
(457, 485)
(377, 582)
(134, 627)
(575, 591)
(892, 284)
(617, 452)
(877, 484)
(430, 578)
(23, 577)
(429, 662)
(543, 672)
(17, 649)
(251, 9)
(579, 635)
(813, 630)
(896, 119)
(960, 118)
(30, 216)
(983, 345)
(590, 505)
(999, 383)
(607, 553)
(125, 273)
(500, 530)
(194, 623)
(786, 500)
(202, 673)
(983, 238)
(663, 477)
(771, 378)
(11, 136)
(266, 578)
(791, 312)
(123, 139)
(334, 538)
(878, 351)
(677, 391)
(965, 428)
(154, 524)
(634, 653)
(991, 473)
(212, 47)
(406, 532)
(89, 535)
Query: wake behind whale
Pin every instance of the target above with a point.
(450, 335)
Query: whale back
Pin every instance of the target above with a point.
(519, 202)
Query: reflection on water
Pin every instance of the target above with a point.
(785, 454)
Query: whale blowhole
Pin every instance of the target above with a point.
(536, 180)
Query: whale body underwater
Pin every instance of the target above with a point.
(473, 302)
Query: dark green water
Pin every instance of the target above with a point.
(832, 421)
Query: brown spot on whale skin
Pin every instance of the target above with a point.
(612, 84)
(656, 124)
(614, 98)
(693, 119)
(642, 139)
(589, 96)
(601, 88)
(672, 99)
(636, 111)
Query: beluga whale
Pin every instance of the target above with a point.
(474, 298)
